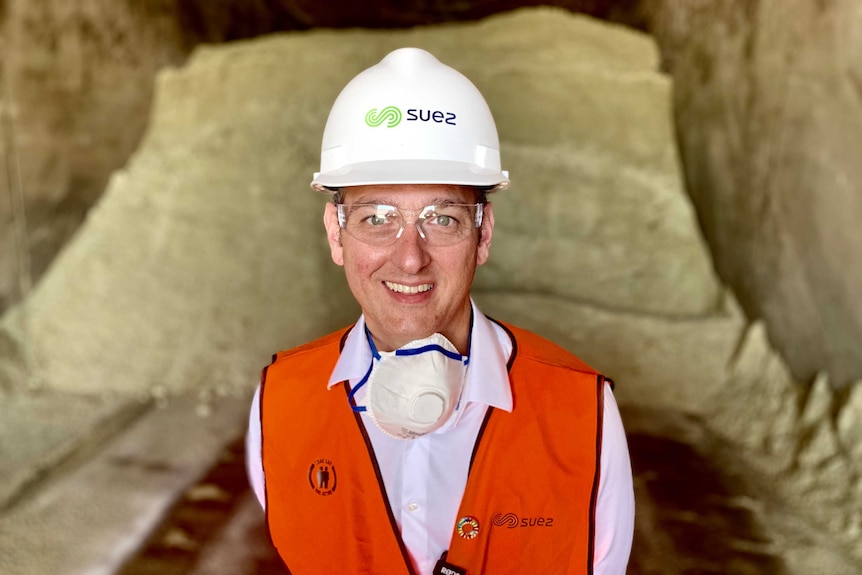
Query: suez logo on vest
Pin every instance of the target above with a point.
(512, 521)
(391, 116)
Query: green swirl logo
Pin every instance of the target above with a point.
(390, 114)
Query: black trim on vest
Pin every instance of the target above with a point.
(594, 496)
(512, 339)
(344, 338)
(392, 523)
(479, 440)
(262, 443)
(470, 334)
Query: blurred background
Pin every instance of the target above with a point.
(683, 216)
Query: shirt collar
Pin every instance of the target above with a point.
(487, 377)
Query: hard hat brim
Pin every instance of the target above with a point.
(410, 172)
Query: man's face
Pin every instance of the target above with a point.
(381, 277)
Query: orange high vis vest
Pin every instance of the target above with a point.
(529, 503)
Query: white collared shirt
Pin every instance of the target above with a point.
(425, 477)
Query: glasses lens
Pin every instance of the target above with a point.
(441, 225)
(447, 224)
(371, 223)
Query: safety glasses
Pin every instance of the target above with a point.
(381, 225)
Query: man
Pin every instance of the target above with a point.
(428, 438)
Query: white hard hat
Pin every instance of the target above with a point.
(410, 120)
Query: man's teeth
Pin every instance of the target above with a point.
(400, 288)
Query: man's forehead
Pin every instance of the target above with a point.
(401, 194)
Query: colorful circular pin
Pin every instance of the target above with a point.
(468, 527)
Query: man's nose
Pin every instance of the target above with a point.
(411, 250)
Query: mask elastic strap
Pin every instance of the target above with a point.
(465, 359)
(432, 347)
(375, 355)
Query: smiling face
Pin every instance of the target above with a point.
(409, 290)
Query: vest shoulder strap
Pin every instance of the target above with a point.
(532, 347)
(327, 340)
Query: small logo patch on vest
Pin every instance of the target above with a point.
(468, 527)
(322, 478)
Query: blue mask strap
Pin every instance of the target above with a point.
(431, 347)
(376, 355)
(434, 347)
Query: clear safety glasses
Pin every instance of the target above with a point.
(438, 225)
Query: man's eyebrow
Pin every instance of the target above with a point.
(440, 201)
(447, 201)
(375, 200)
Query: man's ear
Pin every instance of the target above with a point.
(484, 248)
(333, 233)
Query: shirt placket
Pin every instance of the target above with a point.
(414, 499)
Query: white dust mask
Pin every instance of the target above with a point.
(415, 389)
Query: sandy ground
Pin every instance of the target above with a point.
(165, 492)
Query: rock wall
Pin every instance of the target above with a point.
(807, 438)
(75, 91)
(768, 107)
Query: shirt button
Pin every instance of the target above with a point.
(412, 506)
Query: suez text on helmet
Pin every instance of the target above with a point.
(391, 115)
(410, 119)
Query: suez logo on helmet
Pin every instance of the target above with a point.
(391, 116)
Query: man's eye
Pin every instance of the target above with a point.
(377, 220)
(371, 216)
(451, 218)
